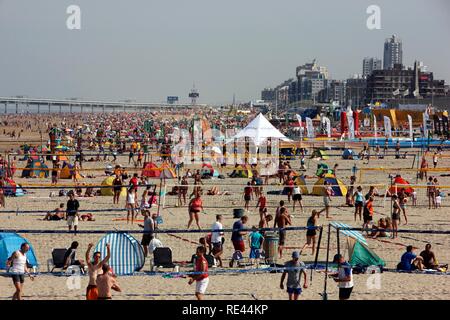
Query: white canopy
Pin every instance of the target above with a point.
(259, 129)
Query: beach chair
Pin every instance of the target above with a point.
(162, 258)
(57, 260)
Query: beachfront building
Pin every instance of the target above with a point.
(369, 65)
(393, 52)
(355, 91)
(400, 83)
(334, 91)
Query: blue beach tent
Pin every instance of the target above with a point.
(10, 242)
(127, 255)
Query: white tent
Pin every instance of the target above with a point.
(259, 129)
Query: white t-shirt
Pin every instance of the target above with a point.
(345, 270)
(297, 190)
(216, 236)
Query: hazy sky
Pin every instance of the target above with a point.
(149, 49)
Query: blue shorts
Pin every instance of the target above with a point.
(254, 253)
(294, 290)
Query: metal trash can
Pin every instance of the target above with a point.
(270, 247)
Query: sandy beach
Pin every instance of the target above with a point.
(250, 285)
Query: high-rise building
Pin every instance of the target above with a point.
(268, 95)
(370, 64)
(355, 92)
(311, 79)
(334, 92)
(393, 53)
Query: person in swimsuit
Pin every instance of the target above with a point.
(93, 267)
(105, 282)
(312, 231)
(195, 207)
(402, 199)
(359, 202)
(327, 193)
(282, 220)
(395, 215)
(431, 193)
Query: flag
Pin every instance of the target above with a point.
(309, 127)
(406, 92)
(299, 118)
(410, 127)
(375, 126)
(351, 124)
(396, 92)
(425, 120)
(328, 124)
(387, 127)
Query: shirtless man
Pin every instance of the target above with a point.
(282, 220)
(105, 282)
(93, 268)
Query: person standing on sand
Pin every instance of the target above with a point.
(282, 220)
(202, 279)
(18, 269)
(344, 277)
(105, 282)
(311, 233)
(327, 193)
(130, 204)
(117, 187)
(195, 207)
(295, 268)
(93, 268)
(72, 215)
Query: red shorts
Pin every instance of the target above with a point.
(239, 246)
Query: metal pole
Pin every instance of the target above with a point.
(317, 252)
(6, 107)
(17, 107)
(49, 107)
(338, 241)
(39, 108)
(324, 294)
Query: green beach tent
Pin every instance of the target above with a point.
(361, 255)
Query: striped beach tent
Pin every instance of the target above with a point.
(127, 255)
(350, 233)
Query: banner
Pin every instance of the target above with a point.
(351, 124)
(309, 127)
(387, 127)
(375, 125)
(299, 118)
(425, 128)
(328, 124)
(410, 127)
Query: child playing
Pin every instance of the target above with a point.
(438, 200)
(414, 198)
(255, 240)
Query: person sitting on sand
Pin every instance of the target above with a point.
(89, 192)
(378, 230)
(57, 215)
(429, 259)
(409, 261)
